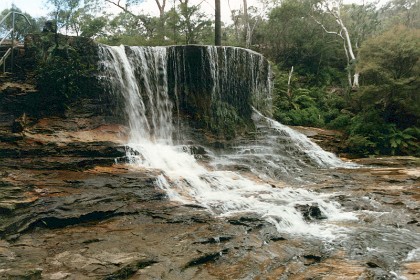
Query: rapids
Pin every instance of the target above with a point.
(138, 73)
(150, 186)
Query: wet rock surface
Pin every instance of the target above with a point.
(70, 209)
(67, 211)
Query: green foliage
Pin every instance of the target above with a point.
(246, 28)
(390, 70)
(62, 74)
(290, 37)
(192, 23)
(297, 105)
(92, 26)
(307, 117)
(65, 13)
(369, 134)
(400, 12)
(362, 21)
(383, 116)
(338, 120)
(186, 24)
(224, 119)
(360, 145)
(404, 142)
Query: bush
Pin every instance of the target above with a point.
(340, 121)
(307, 117)
(63, 75)
(360, 145)
(403, 141)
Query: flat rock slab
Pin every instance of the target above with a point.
(68, 211)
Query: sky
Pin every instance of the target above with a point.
(37, 8)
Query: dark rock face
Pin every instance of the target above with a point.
(69, 211)
(217, 86)
(211, 88)
(214, 88)
(62, 71)
(311, 212)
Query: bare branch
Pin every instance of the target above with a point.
(325, 29)
(161, 7)
(333, 9)
(121, 7)
(289, 93)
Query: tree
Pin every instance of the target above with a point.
(124, 28)
(247, 29)
(185, 18)
(192, 22)
(390, 69)
(217, 24)
(333, 9)
(161, 7)
(362, 21)
(153, 27)
(64, 13)
(401, 12)
(290, 38)
(92, 26)
(245, 22)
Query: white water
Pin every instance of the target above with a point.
(224, 193)
(223, 63)
(147, 104)
(300, 141)
(276, 151)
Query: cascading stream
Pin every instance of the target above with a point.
(276, 152)
(139, 74)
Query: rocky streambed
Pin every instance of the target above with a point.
(69, 211)
(72, 208)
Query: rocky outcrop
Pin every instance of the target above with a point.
(69, 211)
(111, 223)
(214, 88)
(218, 86)
(211, 88)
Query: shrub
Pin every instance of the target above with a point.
(63, 75)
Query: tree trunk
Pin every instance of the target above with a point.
(333, 8)
(161, 7)
(289, 83)
(246, 25)
(355, 83)
(217, 24)
(356, 80)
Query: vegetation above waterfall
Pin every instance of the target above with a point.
(351, 67)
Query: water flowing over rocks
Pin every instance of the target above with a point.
(212, 88)
(74, 205)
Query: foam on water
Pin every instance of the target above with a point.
(319, 156)
(224, 193)
(276, 151)
(413, 255)
(227, 193)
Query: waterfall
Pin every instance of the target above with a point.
(224, 62)
(276, 152)
(151, 80)
(139, 74)
(209, 84)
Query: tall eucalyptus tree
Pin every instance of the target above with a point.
(333, 9)
(217, 24)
